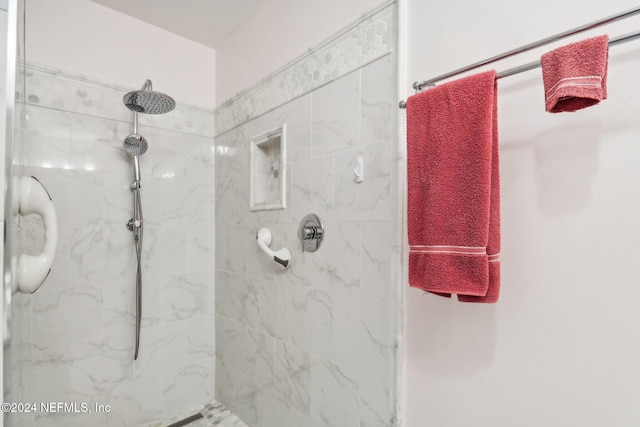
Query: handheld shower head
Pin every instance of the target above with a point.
(147, 101)
(135, 145)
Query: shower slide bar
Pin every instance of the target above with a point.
(418, 86)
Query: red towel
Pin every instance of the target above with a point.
(453, 189)
(575, 76)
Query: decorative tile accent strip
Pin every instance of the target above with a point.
(367, 40)
(63, 91)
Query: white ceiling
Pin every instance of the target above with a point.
(207, 22)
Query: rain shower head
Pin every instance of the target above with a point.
(135, 145)
(147, 101)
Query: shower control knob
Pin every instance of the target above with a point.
(311, 233)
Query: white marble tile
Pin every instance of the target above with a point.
(20, 420)
(310, 314)
(118, 316)
(151, 197)
(375, 261)
(277, 412)
(376, 345)
(378, 100)
(60, 90)
(161, 348)
(293, 375)
(136, 402)
(185, 296)
(48, 137)
(348, 336)
(69, 419)
(200, 248)
(151, 298)
(369, 200)
(185, 387)
(68, 315)
(76, 194)
(272, 305)
(100, 254)
(336, 115)
(97, 145)
(232, 202)
(200, 338)
(232, 154)
(375, 404)
(100, 365)
(235, 241)
(362, 338)
(47, 374)
(249, 352)
(224, 391)
(163, 251)
(297, 116)
(334, 395)
(339, 256)
(118, 199)
(185, 201)
(237, 298)
(312, 188)
(119, 304)
(245, 402)
(367, 40)
(220, 240)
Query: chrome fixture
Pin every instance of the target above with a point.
(147, 101)
(311, 233)
(144, 101)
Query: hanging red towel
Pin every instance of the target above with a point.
(453, 189)
(575, 75)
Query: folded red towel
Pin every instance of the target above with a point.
(575, 76)
(453, 189)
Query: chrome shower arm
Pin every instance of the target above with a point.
(147, 85)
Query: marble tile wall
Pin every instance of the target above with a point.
(313, 345)
(77, 331)
(369, 38)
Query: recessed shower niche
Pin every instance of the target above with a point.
(268, 170)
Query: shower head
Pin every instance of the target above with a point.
(147, 101)
(135, 145)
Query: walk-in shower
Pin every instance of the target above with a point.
(144, 101)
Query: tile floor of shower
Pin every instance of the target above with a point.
(213, 414)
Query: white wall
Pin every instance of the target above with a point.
(562, 346)
(276, 34)
(85, 38)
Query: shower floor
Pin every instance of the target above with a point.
(216, 414)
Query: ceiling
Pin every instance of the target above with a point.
(208, 22)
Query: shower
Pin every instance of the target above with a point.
(144, 101)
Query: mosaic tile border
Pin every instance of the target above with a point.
(60, 90)
(369, 38)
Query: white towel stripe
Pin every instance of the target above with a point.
(569, 85)
(573, 78)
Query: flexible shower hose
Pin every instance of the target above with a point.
(137, 236)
